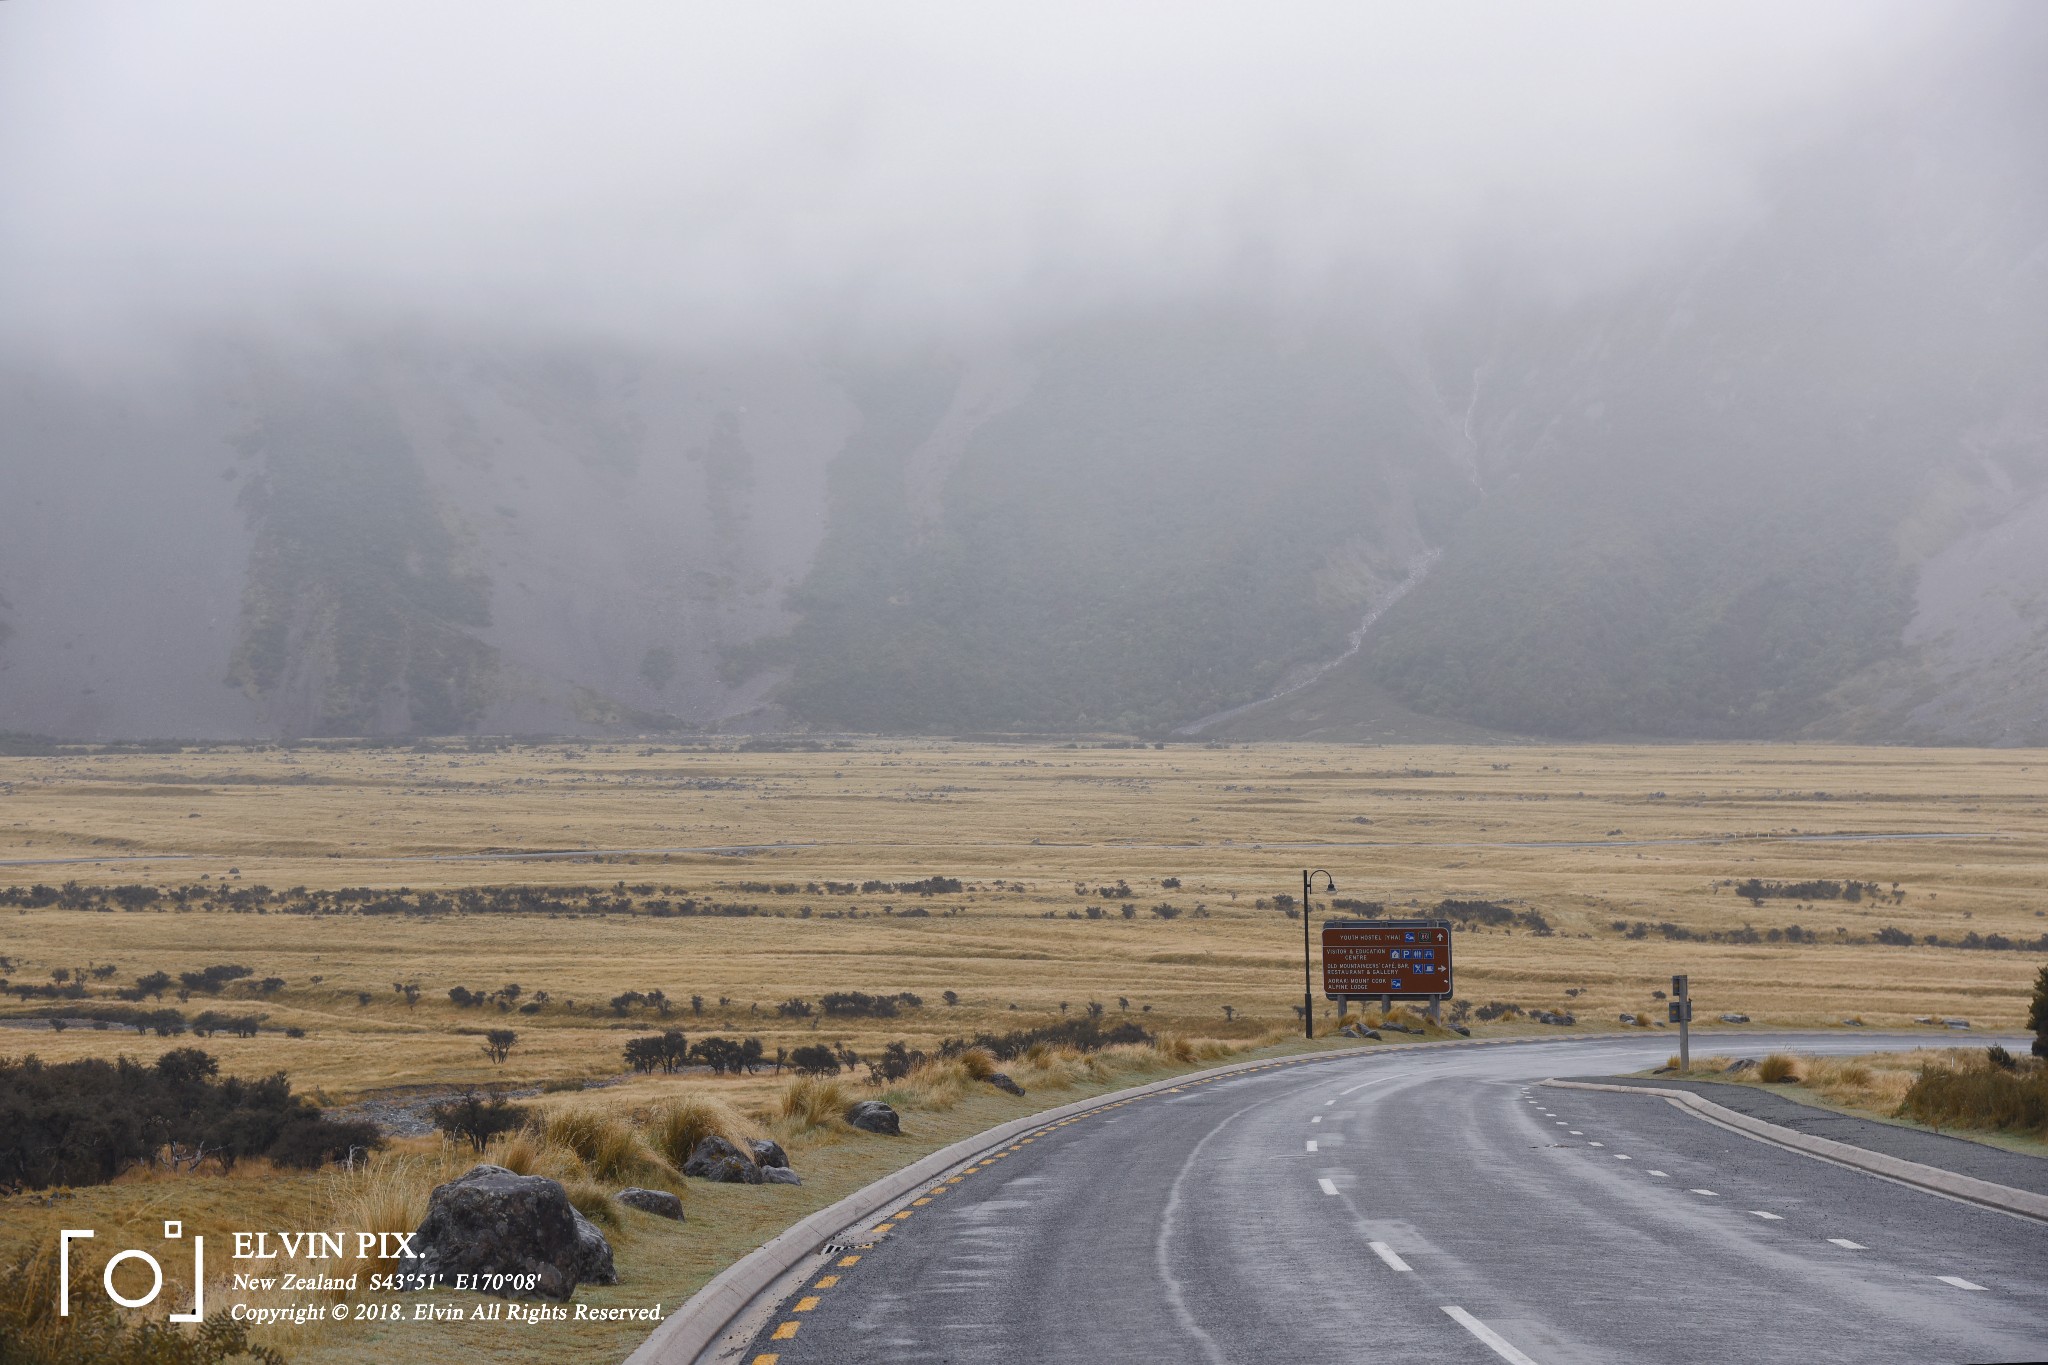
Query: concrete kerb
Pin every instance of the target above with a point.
(2025, 1203)
(697, 1325)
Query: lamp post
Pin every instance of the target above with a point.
(1308, 1002)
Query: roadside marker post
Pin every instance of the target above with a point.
(1681, 1015)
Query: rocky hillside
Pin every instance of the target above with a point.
(1792, 482)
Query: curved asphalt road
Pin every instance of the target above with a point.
(1435, 1206)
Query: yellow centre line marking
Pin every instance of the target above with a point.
(926, 1200)
(785, 1332)
(806, 1303)
(881, 1228)
(766, 1359)
(848, 1260)
(826, 1282)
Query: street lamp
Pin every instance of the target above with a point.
(1308, 1003)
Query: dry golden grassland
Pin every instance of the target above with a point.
(1585, 837)
(1022, 827)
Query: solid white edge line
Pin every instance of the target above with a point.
(1329, 1186)
(1387, 1254)
(1499, 1344)
(1961, 1283)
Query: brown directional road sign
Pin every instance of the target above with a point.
(1406, 959)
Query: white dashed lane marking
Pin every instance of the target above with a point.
(1708, 1193)
(1329, 1186)
(1499, 1344)
(1311, 1144)
(1848, 1245)
(1775, 1218)
(1665, 1174)
(1961, 1283)
(1387, 1254)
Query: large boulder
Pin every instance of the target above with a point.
(716, 1159)
(1003, 1083)
(660, 1203)
(873, 1116)
(489, 1221)
(768, 1153)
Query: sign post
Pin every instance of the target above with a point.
(1681, 1015)
(1388, 959)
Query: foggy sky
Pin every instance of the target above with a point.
(694, 175)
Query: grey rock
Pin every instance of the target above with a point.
(873, 1116)
(767, 1153)
(1956, 1023)
(780, 1175)
(1461, 1030)
(1628, 1018)
(660, 1203)
(489, 1221)
(1004, 1083)
(1852, 1023)
(716, 1159)
(593, 1253)
(1739, 1064)
(1734, 1018)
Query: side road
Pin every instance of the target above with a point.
(2005, 1198)
(1960, 1156)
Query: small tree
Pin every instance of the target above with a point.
(498, 1044)
(2037, 1013)
(814, 1059)
(477, 1119)
(1230, 1014)
(950, 997)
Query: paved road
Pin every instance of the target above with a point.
(1421, 1207)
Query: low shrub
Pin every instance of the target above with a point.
(476, 1119)
(1981, 1096)
(32, 1333)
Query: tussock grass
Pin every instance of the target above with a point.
(675, 1129)
(1776, 1068)
(608, 1147)
(593, 1201)
(978, 1062)
(531, 1152)
(813, 1101)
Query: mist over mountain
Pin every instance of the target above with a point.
(1362, 375)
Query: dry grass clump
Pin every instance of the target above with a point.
(677, 1127)
(389, 1193)
(593, 1201)
(813, 1101)
(608, 1147)
(937, 1085)
(1777, 1067)
(529, 1151)
(978, 1062)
